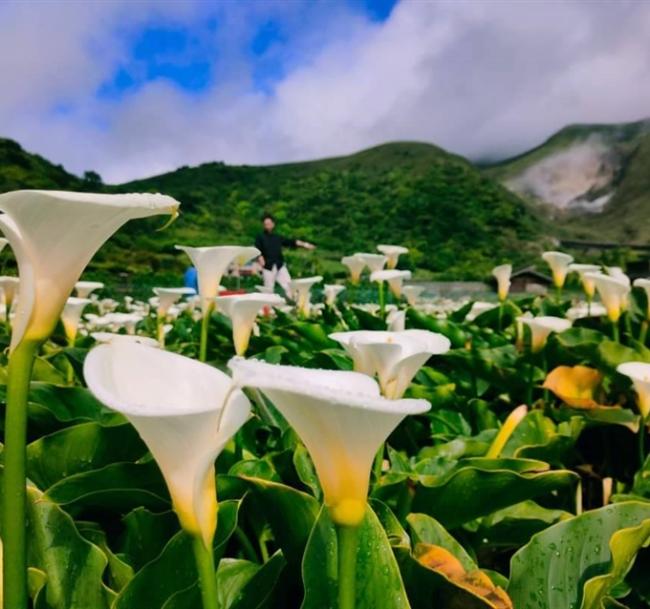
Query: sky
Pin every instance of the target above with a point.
(132, 88)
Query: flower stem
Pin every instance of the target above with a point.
(207, 576)
(160, 330)
(14, 501)
(615, 333)
(643, 333)
(382, 300)
(641, 438)
(205, 326)
(348, 539)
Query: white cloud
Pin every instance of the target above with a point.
(479, 78)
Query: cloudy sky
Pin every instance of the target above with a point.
(133, 88)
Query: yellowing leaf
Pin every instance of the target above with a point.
(475, 582)
(575, 386)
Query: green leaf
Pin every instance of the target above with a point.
(379, 584)
(119, 486)
(80, 448)
(576, 563)
(174, 570)
(290, 513)
(451, 499)
(74, 567)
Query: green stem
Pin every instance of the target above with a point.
(529, 389)
(382, 300)
(205, 326)
(628, 325)
(247, 546)
(207, 575)
(160, 330)
(500, 322)
(643, 333)
(545, 369)
(642, 442)
(348, 539)
(589, 299)
(14, 500)
(70, 373)
(615, 333)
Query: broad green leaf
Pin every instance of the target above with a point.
(576, 563)
(119, 486)
(452, 499)
(290, 513)
(379, 584)
(174, 570)
(73, 566)
(78, 449)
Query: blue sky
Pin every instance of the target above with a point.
(131, 88)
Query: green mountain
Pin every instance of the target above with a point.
(456, 221)
(594, 180)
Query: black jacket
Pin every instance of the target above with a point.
(270, 245)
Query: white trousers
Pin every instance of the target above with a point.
(279, 275)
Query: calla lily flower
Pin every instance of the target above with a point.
(111, 337)
(169, 296)
(644, 284)
(301, 289)
(85, 288)
(575, 385)
(639, 373)
(392, 253)
(374, 262)
(613, 292)
(243, 310)
(342, 419)
(478, 308)
(394, 278)
(412, 293)
(583, 309)
(502, 274)
(396, 320)
(542, 327)
(395, 357)
(559, 264)
(588, 284)
(211, 263)
(331, 292)
(129, 321)
(507, 429)
(9, 287)
(185, 412)
(618, 273)
(71, 316)
(355, 266)
(54, 235)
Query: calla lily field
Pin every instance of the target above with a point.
(220, 448)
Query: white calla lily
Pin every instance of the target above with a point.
(559, 264)
(396, 320)
(331, 292)
(85, 288)
(412, 293)
(169, 296)
(301, 290)
(479, 307)
(502, 274)
(541, 327)
(374, 262)
(394, 357)
(639, 373)
(588, 285)
(585, 309)
(110, 337)
(392, 253)
(618, 273)
(9, 287)
(613, 292)
(342, 419)
(185, 412)
(243, 309)
(644, 284)
(355, 266)
(71, 316)
(54, 235)
(211, 263)
(394, 278)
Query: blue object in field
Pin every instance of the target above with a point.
(191, 278)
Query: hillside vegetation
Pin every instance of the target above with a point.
(456, 221)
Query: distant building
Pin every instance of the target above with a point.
(530, 281)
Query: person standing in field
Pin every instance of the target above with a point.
(270, 245)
